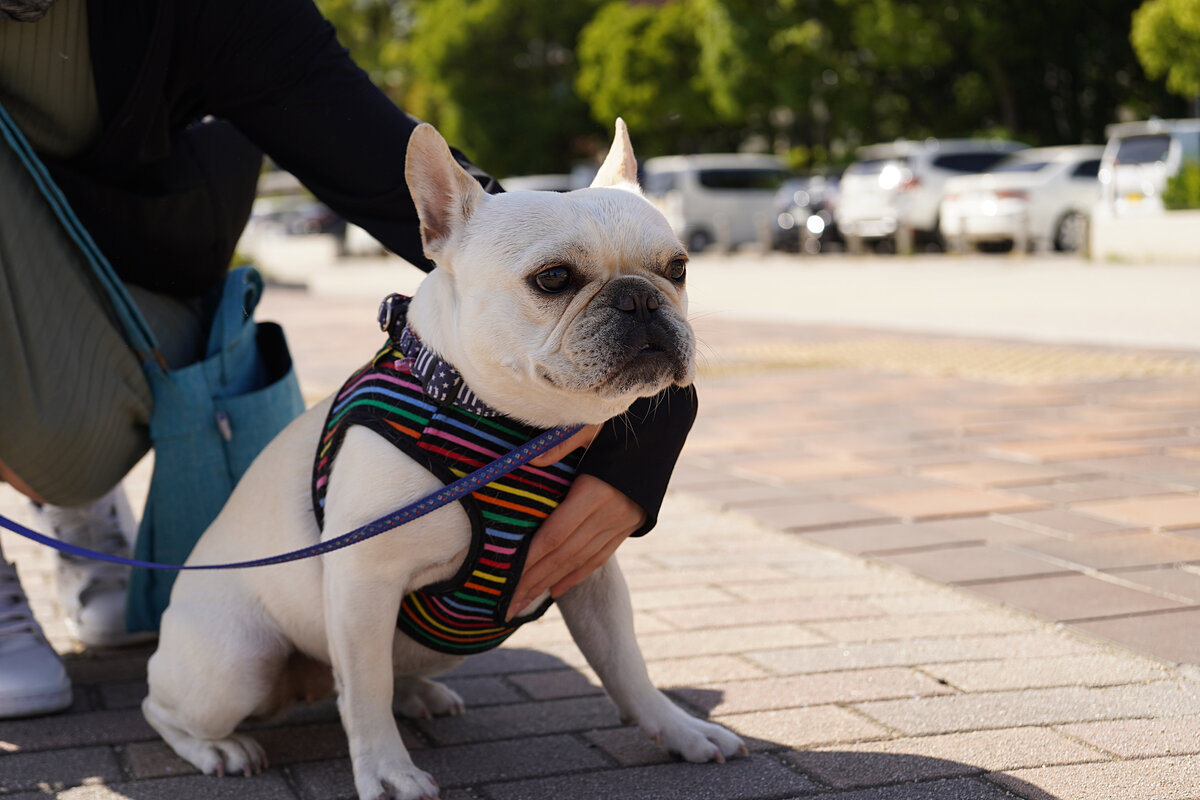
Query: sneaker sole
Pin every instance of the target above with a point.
(32, 705)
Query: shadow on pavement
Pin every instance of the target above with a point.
(535, 727)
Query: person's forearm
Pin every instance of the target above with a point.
(636, 452)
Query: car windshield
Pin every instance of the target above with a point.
(1143, 149)
(1019, 164)
(738, 178)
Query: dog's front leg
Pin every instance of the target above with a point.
(600, 617)
(360, 613)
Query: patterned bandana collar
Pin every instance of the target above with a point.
(442, 382)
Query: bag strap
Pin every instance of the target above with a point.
(137, 332)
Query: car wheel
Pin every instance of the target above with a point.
(697, 241)
(1071, 234)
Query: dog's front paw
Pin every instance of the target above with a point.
(694, 739)
(398, 779)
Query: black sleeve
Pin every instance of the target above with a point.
(276, 70)
(636, 452)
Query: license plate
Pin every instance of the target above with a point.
(1134, 197)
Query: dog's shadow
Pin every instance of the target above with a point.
(534, 727)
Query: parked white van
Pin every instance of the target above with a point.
(728, 199)
(1138, 160)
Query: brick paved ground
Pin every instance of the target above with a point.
(863, 572)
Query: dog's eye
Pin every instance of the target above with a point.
(553, 279)
(677, 270)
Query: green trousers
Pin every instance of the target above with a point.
(74, 404)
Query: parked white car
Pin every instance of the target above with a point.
(728, 199)
(897, 186)
(1042, 197)
(1138, 160)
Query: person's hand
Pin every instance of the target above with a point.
(578, 536)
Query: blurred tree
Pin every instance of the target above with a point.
(497, 79)
(1166, 37)
(637, 61)
(374, 31)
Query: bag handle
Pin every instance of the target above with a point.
(137, 332)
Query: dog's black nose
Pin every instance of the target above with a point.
(637, 300)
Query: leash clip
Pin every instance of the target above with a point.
(393, 309)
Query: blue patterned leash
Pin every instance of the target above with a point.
(502, 466)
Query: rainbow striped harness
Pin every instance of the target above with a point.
(410, 398)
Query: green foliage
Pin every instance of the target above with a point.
(1166, 36)
(527, 86)
(373, 31)
(1183, 189)
(497, 78)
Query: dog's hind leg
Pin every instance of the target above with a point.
(210, 672)
(600, 617)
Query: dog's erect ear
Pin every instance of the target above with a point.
(620, 166)
(444, 194)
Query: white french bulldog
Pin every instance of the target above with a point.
(556, 309)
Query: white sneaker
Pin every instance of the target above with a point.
(92, 592)
(32, 678)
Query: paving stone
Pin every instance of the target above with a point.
(76, 730)
(956, 565)
(508, 760)
(700, 670)
(949, 502)
(1158, 778)
(1141, 738)
(482, 691)
(1171, 579)
(801, 468)
(270, 785)
(1073, 597)
(57, 770)
(730, 614)
(799, 728)
(992, 473)
(897, 536)
(913, 652)
(1160, 512)
(726, 640)
(856, 487)
(1173, 636)
(1120, 550)
(522, 719)
(753, 778)
(1102, 488)
(815, 690)
(663, 580)
(923, 626)
(676, 596)
(155, 760)
(946, 756)
(556, 684)
(981, 711)
(814, 514)
(1094, 669)
(1046, 451)
(629, 747)
(953, 789)
(1063, 524)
